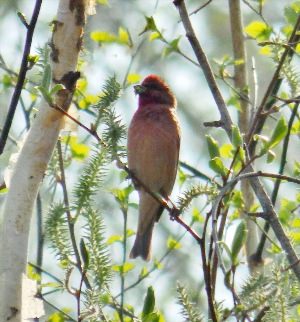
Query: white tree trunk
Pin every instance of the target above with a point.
(34, 157)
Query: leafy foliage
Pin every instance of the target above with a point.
(90, 180)
(99, 259)
(195, 191)
(114, 131)
(57, 231)
(272, 293)
(188, 310)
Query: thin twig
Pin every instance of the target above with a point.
(57, 309)
(70, 219)
(124, 211)
(200, 8)
(203, 62)
(225, 117)
(259, 120)
(258, 12)
(21, 77)
(198, 173)
(133, 56)
(261, 245)
(46, 272)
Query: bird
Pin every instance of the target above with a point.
(153, 145)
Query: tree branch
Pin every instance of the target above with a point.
(241, 85)
(257, 187)
(21, 78)
(33, 159)
(203, 61)
(268, 100)
(258, 254)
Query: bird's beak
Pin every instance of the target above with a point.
(139, 89)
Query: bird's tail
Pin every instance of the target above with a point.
(142, 245)
(149, 212)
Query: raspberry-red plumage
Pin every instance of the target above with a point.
(153, 149)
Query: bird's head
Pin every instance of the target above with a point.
(153, 90)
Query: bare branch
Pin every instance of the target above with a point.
(21, 78)
(257, 187)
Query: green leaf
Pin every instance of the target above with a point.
(270, 156)
(295, 236)
(238, 242)
(173, 244)
(291, 12)
(47, 77)
(46, 95)
(152, 317)
(297, 168)
(155, 35)
(123, 269)
(84, 254)
(278, 134)
(157, 264)
(258, 30)
(133, 78)
(197, 216)
(33, 274)
(3, 189)
(149, 302)
(213, 147)
(33, 59)
(182, 176)
(172, 47)
(217, 165)
(103, 37)
(237, 200)
(144, 272)
(285, 211)
(114, 239)
(7, 80)
(56, 317)
(124, 37)
(150, 25)
(236, 137)
(103, 2)
(79, 150)
(56, 88)
(226, 150)
(296, 128)
(122, 195)
(296, 223)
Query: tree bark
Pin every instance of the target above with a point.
(34, 157)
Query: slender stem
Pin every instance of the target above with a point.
(241, 84)
(214, 266)
(68, 212)
(261, 245)
(198, 173)
(46, 273)
(257, 187)
(207, 281)
(59, 310)
(124, 211)
(21, 77)
(203, 62)
(40, 234)
(124, 83)
(141, 278)
(268, 100)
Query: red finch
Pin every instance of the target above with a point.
(153, 149)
